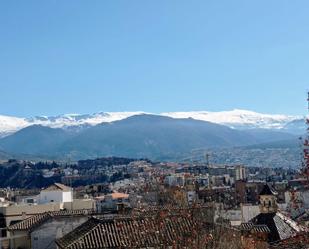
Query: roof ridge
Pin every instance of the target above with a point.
(268, 190)
(132, 225)
(290, 222)
(39, 215)
(50, 214)
(75, 240)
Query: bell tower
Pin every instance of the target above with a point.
(268, 200)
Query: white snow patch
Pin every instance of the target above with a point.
(237, 118)
(234, 119)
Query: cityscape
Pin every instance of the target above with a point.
(154, 124)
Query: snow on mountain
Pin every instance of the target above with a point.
(238, 119)
(9, 125)
(68, 120)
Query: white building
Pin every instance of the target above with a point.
(57, 193)
(54, 198)
(240, 172)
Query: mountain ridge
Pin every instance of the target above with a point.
(143, 135)
(236, 119)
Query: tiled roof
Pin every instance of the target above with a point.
(267, 190)
(280, 226)
(128, 232)
(118, 195)
(249, 226)
(300, 241)
(303, 216)
(246, 226)
(36, 220)
(79, 212)
(169, 208)
(260, 229)
(57, 186)
(31, 222)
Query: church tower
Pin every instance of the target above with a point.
(268, 200)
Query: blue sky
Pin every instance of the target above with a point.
(87, 56)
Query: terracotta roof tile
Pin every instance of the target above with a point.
(128, 232)
(30, 223)
(34, 221)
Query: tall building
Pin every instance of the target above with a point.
(240, 172)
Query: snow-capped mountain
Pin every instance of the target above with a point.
(68, 120)
(237, 119)
(9, 125)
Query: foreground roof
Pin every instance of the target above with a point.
(249, 226)
(34, 221)
(280, 226)
(300, 241)
(127, 232)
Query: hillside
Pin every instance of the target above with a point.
(34, 140)
(139, 136)
(236, 119)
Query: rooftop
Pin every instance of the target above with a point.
(128, 232)
(36, 220)
(280, 226)
(300, 241)
(268, 190)
(249, 226)
(118, 195)
(58, 187)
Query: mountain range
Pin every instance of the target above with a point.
(136, 134)
(236, 119)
